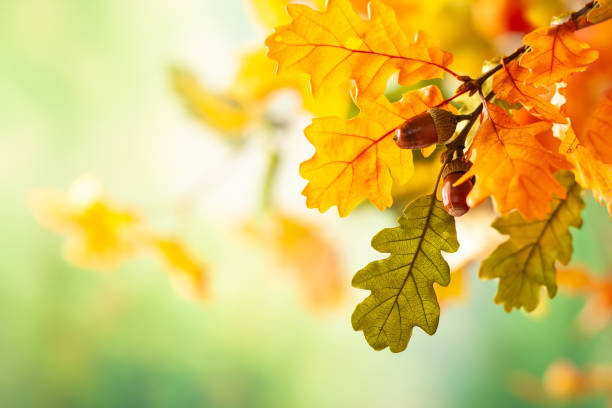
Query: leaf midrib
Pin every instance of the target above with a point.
(536, 243)
(409, 273)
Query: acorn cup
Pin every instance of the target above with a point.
(454, 197)
(434, 126)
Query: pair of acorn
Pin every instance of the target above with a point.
(436, 126)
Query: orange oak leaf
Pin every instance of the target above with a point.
(593, 174)
(337, 45)
(515, 164)
(511, 83)
(353, 158)
(585, 90)
(598, 130)
(555, 54)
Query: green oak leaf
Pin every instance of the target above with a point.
(526, 261)
(402, 284)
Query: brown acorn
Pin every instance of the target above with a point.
(454, 198)
(434, 126)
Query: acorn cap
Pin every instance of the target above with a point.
(445, 123)
(455, 166)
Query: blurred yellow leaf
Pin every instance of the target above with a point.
(216, 110)
(273, 13)
(190, 276)
(300, 247)
(456, 289)
(257, 80)
(100, 234)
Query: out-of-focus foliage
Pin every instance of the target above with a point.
(99, 233)
(102, 235)
(299, 247)
(597, 312)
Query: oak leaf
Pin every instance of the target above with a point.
(515, 164)
(593, 174)
(511, 84)
(402, 285)
(555, 54)
(337, 45)
(526, 261)
(590, 172)
(596, 136)
(354, 159)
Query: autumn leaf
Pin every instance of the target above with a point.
(337, 45)
(526, 261)
(593, 174)
(100, 234)
(402, 284)
(189, 275)
(354, 159)
(299, 248)
(256, 81)
(273, 13)
(590, 172)
(219, 111)
(515, 164)
(555, 54)
(596, 135)
(597, 312)
(512, 85)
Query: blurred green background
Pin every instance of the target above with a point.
(84, 88)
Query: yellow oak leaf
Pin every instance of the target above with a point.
(189, 275)
(511, 84)
(515, 164)
(100, 234)
(555, 54)
(337, 45)
(216, 110)
(354, 158)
